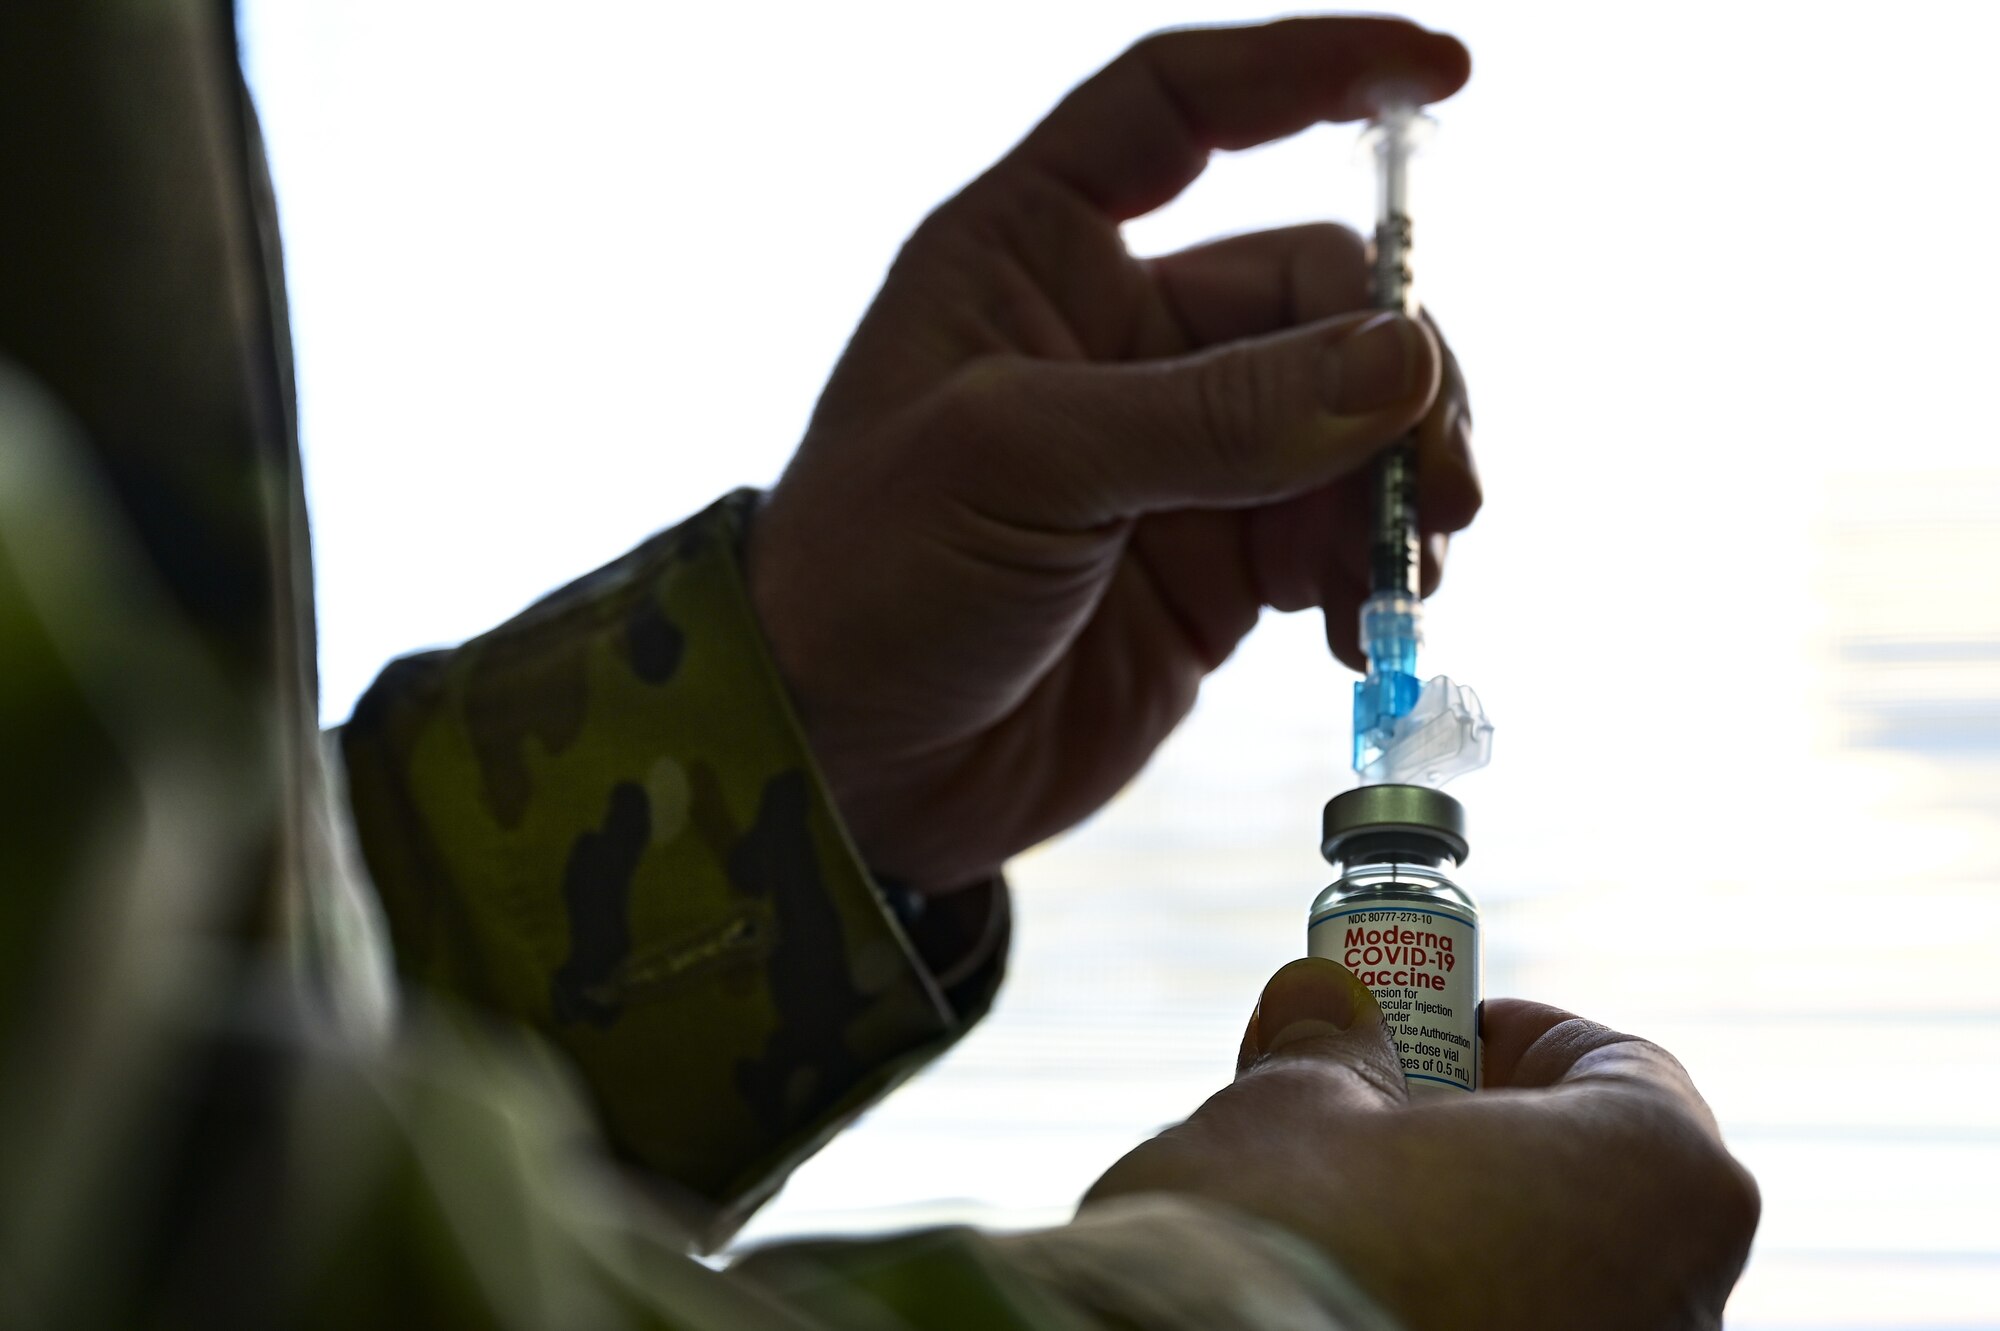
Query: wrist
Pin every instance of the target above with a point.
(815, 665)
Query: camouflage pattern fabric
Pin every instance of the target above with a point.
(622, 907)
(601, 820)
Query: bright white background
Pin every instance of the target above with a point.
(1723, 280)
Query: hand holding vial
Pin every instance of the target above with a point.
(1585, 1186)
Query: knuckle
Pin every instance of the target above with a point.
(1699, 1176)
(1734, 1199)
(1563, 1047)
(1450, 501)
(1333, 244)
(1161, 1164)
(1473, 500)
(973, 424)
(1234, 412)
(1333, 1062)
(1710, 1186)
(944, 234)
(1139, 63)
(1147, 50)
(1381, 1078)
(929, 236)
(977, 391)
(1328, 272)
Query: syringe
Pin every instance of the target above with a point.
(1393, 556)
(1404, 730)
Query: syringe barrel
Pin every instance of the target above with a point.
(1394, 548)
(1395, 551)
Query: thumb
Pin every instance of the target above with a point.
(1316, 1012)
(1075, 445)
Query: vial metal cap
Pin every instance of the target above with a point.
(1387, 819)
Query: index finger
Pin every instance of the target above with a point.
(1135, 134)
(1529, 1045)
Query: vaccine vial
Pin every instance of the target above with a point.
(1395, 917)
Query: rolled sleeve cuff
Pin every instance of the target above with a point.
(603, 819)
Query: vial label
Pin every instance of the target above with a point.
(1423, 966)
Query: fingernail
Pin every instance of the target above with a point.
(1309, 997)
(1252, 1046)
(1373, 367)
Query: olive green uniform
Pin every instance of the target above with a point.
(535, 979)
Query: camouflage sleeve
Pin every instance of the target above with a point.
(602, 820)
(1159, 1262)
(470, 1139)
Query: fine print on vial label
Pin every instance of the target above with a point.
(1423, 966)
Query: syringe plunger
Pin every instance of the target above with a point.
(1394, 135)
